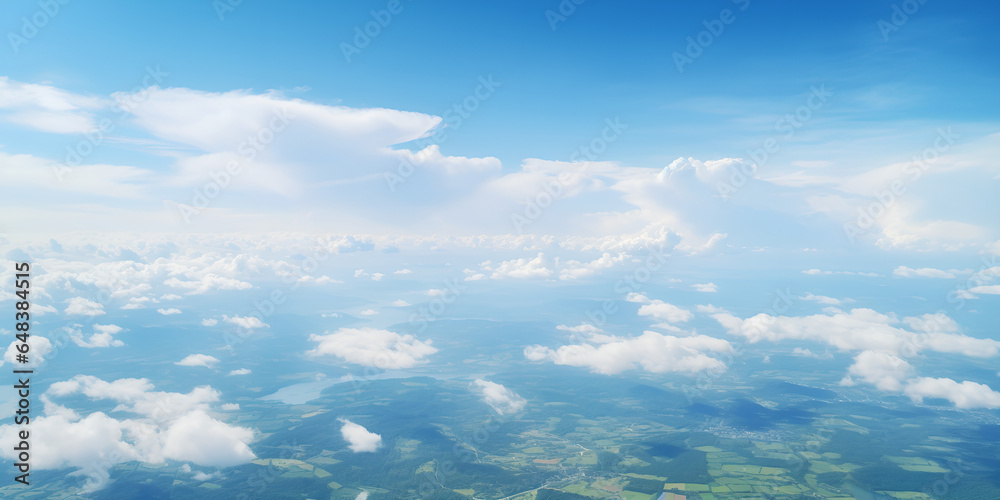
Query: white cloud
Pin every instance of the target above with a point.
(966, 394)
(586, 328)
(199, 438)
(883, 370)
(207, 283)
(862, 330)
(368, 312)
(83, 307)
(230, 406)
(575, 269)
(361, 273)
(937, 322)
(709, 309)
(103, 336)
(198, 360)
(471, 275)
(403, 271)
(204, 476)
(137, 303)
(501, 399)
(372, 347)
(660, 310)
(705, 287)
(47, 108)
(883, 344)
(522, 268)
(240, 371)
(248, 322)
(358, 438)
(168, 312)
(38, 348)
(588, 331)
(822, 299)
(400, 303)
(652, 352)
(42, 309)
(209, 322)
(926, 272)
(163, 426)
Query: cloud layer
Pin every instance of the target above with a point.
(162, 426)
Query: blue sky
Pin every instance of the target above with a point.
(603, 60)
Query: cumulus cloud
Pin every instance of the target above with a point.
(199, 475)
(521, 269)
(471, 275)
(83, 307)
(883, 370)
(198, 360)
(38, 348)
(400, 303)
(199, 438)
(822, 299)
(659, 310)
(651, 351)
(240, 371)
(705, 287)
(372, 347)
(965, 394)
(209, 322)
(162, 426)
(103, 336)
(883, 343)
(358, 438)
(927, 272)
(575, 270)
(248, 322)
(361, 273)
(368, 312)
(503, 400)
(168, 312)
(137, 303)
(862, 330)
